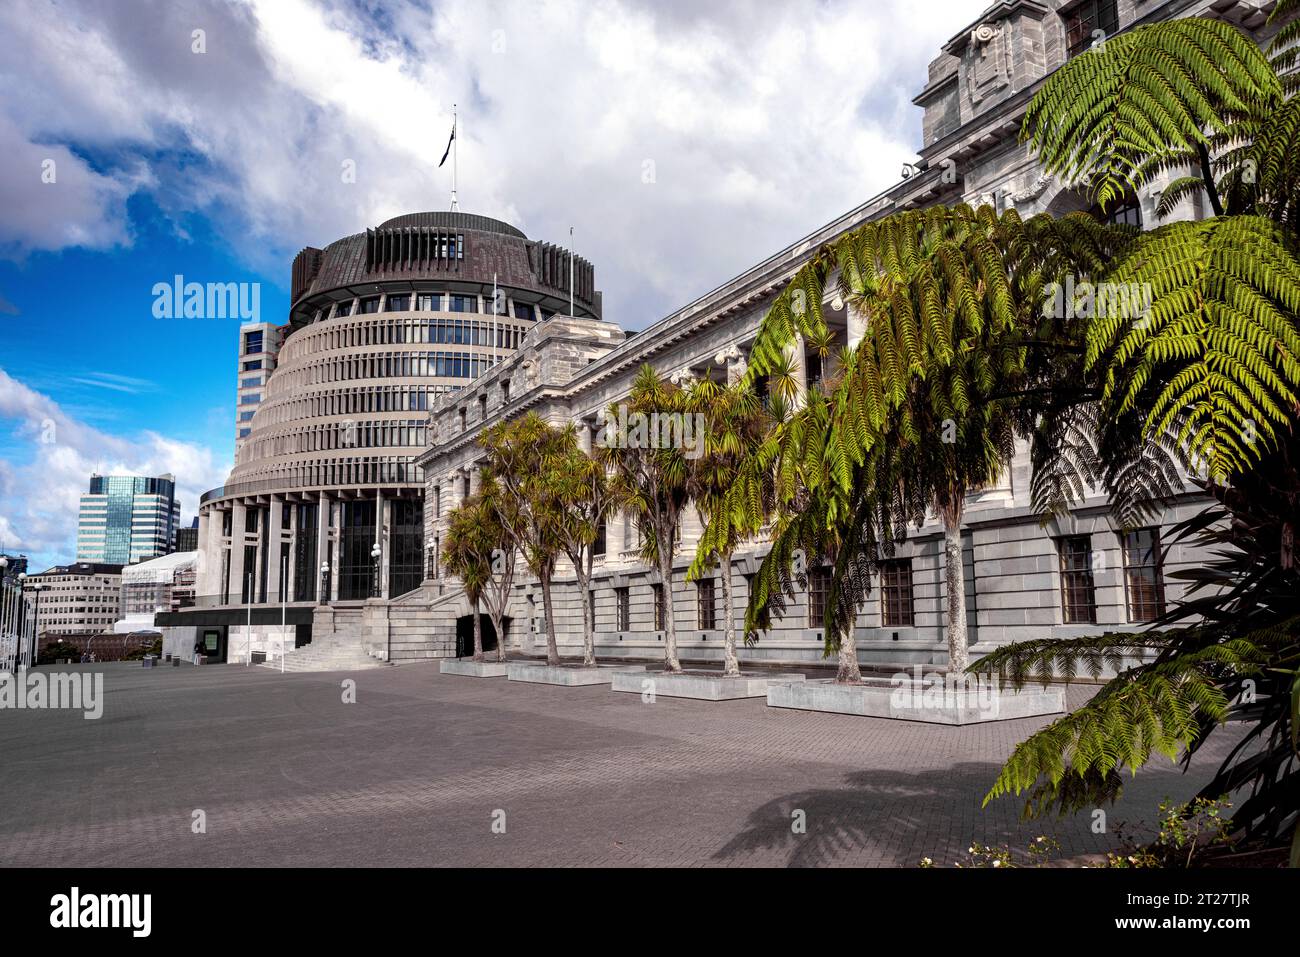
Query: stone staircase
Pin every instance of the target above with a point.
(343, 649)
(333, 653)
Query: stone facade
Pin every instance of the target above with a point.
(1022, 577)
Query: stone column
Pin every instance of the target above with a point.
(614, 538)
(322, 543)
(857, 324)
(208, 555)
(292, 574)
(274, 568)
(382, 540)
(237, 570)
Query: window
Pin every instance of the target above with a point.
(399, 303)
(246, 416)
(1078, 597)
(819, 584)
(252, 383)
(1144, 585)
(244, 432)
(253, 365)
(343, 309)
(1085, 19)
(369, 305)
(428, 302)
(658, 590)
(524, 310)
(252, 342)
(462, 304)
(623, 603)
(1127, 213)
(249, 399)
(598, 545)
(708, 613)
(896, 593)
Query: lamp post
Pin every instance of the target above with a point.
(36, 622)
(284, 609)
(249, 628)
(324, 583)
(375, 553)
(6, 611)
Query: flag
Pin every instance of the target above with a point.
(447, 151)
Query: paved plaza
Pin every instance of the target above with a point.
(417, 769)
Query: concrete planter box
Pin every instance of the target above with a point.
(566, 675)
(914, 702)
(699, 685)
(473, 669)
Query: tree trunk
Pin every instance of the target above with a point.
(849, 671)
(670, 626)
(552, 650)
(498, 623)
(730, 666)
(588, 625)
(478, 633)
(955, 585)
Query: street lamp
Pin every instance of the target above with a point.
(324, 583)
(375, 552)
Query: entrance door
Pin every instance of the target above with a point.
(465, 635)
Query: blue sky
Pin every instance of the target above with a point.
(206, 138)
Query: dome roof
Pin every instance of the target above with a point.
(448, 220)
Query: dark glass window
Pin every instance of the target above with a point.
(369, 305)
(462, 304)
(252, 342)
(400, 303)
(658, 590)
(1144, 585)
(896, 593)
(598, 543)
(819, 584)
(428, 302)
(1078, 594)
(623, 603)
(343, 308)
(524, 310)
(406, 544)
(251, 366)
(708, 612)
(1086, 18)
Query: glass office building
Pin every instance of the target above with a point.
(127, 518)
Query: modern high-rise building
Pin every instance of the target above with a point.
(259, 347)
(127, 518)
(187, 537)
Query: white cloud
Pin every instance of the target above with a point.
(39, 497)
(762, 120)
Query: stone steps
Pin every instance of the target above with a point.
(337, 652)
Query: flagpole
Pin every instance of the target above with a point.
(455, 154)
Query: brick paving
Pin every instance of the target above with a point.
(412, 773)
